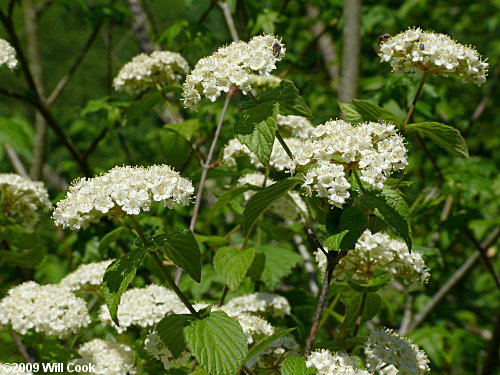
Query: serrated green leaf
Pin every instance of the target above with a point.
(232, 264)
(231, 194)
(257, 267)
(358, 111)
(217, 342)
(175, 149)
(445, 136)
(261, 201)
(171, 331)
(346, 228)
(265, 342)
(294, 366)
(391, 207)
(278, 264)
(187, 129)
(289, 99)
(183, 250)
(256, 128)
(117, 277)
(145, 104)
(352, 218)
(28, 259)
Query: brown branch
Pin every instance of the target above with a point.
(229, 20)
(141, 26)
(16, 161)
(482, 252)
(349, 80)
(21, 348)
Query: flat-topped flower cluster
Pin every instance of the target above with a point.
(123, 189)
(22, 198)
(7, 54)
(373, 148)
(415, 50)
(379, 251)
(145, 71)
(231, 65)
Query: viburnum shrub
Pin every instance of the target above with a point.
(154, 306)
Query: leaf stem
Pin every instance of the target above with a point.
(224, 294)
(285, 146)
(333, 259)
(415, 99)
(360, 314)
(358, 180)
(169, 105)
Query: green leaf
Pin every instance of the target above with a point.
(145, 104)
(171, 331)
(17, 133)
(294, 366)
(391, 207)
(175, 150)
(117, 277)
(289, 99)
(358, 111)
(217, 342)
(353, 301)
(256, 128)
(445, 136)
(111, 237)
(279, 264)
(351, 224)
(231, 194)
(380, 279)
(187, 129)
(265, 342)
(232, 264)
(183, 250)
(261, 201)
(257, 267)
(28, 259)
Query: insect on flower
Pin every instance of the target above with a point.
(276, 49)
(383, 38)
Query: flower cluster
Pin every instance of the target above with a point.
(327, 363)
(373, 148)
(122, 189)
(379, 251)
(415, 50)
(109, 358)
(260, 303)
(158, 350)
(86, 275)
(262, 84)
(50, 309)
(22, 197)
(7, 54)
(145, 71)
(294, 126)
(253, 326)
(143, 307)
(385, 348)
(231, 66)
(288, 207)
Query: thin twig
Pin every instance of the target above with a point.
(95, 142)
(486, 260)
(452, 281)
(21, 348)
(315, 240)
(415, 99)
(248, 370)
(224, 294)
(308, 265)
(489, 94)
(229, 20)
(284, 145)
(333, 259)
(360, 314)
(408, 314)
(16, 161)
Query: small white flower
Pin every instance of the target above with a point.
(260, 303)
(416, 50)
(86, 275)
(145, 71)
(7, 54)
(327, 363)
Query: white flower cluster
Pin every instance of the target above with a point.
(7, 54)
(262, 84)
(415, 50)
(289, 208)
(384, 347)
(8, 370)
(22, 197)
(109, 358)
(374, 148)
(157, 349)
(143, 307)
(145, 71)
(231, 66)
(253, 326)
(50, 309)
(85, 275)
(123, 189)
(378, 250)
(267, 304)
(328, 363)
(294, 126)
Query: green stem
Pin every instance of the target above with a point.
(358, 180)
(154, 256)
(169, 105)
(415, 99)
(224, 294)
(282, 141)
(360, 315)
